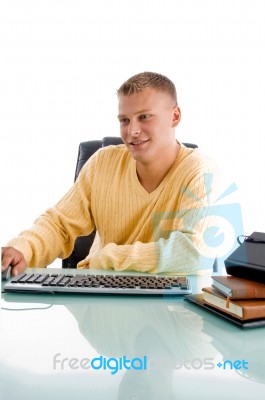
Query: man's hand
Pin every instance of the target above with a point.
(15, 259)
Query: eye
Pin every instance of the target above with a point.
(124, 121)
(144, 117)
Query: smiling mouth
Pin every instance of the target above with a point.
(138, 142)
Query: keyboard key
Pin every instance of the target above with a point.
(64, 282)
(48, 281)
(56, 280)
(25, 278)
(17, 278)
(41, 278)
(33, 278)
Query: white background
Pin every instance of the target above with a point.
(62, 61)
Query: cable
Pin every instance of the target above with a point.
(27, 309)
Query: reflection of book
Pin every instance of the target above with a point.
(242, 309)
(239, 288)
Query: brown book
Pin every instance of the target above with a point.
(239, 288)
(242, 309)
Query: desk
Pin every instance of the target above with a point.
(182, 345)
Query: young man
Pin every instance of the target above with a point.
(147, 199)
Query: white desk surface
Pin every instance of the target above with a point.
(178, 339)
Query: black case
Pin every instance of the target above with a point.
(248, 260)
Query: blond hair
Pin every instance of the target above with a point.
(144, 80)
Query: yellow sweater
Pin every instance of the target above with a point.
(153, 232)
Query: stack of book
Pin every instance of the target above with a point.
(241, 298)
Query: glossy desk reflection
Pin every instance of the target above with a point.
(177, 338)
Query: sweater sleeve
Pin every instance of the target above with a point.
(181, 242)
(53, 234)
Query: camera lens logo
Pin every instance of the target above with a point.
(217, 238)
(219, 223)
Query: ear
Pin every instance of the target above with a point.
(176, 116)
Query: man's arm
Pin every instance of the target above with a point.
(182, 253)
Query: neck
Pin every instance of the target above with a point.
(152, 174)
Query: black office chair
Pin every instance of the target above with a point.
(86, 149)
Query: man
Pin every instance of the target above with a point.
(147, 199)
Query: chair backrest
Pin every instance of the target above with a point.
(86, 149)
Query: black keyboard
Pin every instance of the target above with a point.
(102, 284)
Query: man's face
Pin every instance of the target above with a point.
(147, 122)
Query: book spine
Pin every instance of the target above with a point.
(253, 311)
(247, 293)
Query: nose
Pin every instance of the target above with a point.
(134, 128)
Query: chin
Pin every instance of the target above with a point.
(143, 159)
